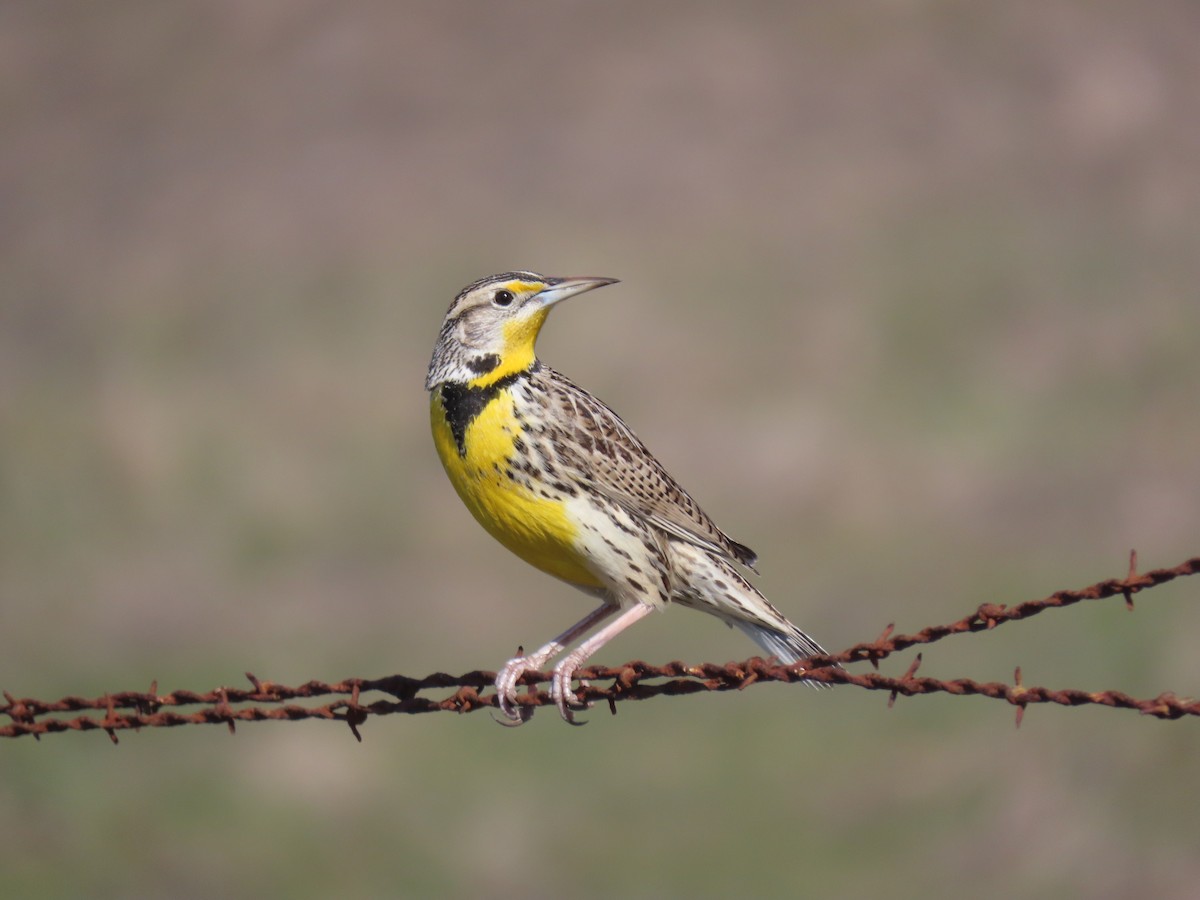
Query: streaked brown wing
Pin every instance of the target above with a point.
(604, 454)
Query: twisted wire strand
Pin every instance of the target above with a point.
(635, 680)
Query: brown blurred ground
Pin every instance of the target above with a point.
(909, 302)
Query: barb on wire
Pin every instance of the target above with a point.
(635, 680)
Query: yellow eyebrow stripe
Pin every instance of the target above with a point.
(522, 287)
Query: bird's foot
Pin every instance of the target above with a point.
(565, 699)
(506, 692)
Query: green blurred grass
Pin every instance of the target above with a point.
(911, 313)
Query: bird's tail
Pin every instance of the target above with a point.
(713, 585)
(789, 647)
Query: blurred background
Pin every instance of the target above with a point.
(908, 301)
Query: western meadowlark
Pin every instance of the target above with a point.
(556, 477)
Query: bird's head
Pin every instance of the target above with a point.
(490, 329)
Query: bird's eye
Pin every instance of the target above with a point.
(502, 298)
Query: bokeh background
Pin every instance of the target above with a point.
(909, 302)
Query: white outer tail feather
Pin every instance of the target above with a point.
(789, 648)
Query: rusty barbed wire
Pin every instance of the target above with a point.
(634, 680)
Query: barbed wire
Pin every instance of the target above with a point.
(636, 680)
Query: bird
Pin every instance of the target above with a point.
(560, 480)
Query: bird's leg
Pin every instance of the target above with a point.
(560, 685)
(510, 674)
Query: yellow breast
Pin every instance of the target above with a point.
(537, 529)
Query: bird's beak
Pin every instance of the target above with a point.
(563, 288)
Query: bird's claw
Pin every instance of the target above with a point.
(513, 713)
(516, 722)
(565, 699)
(506, 693)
